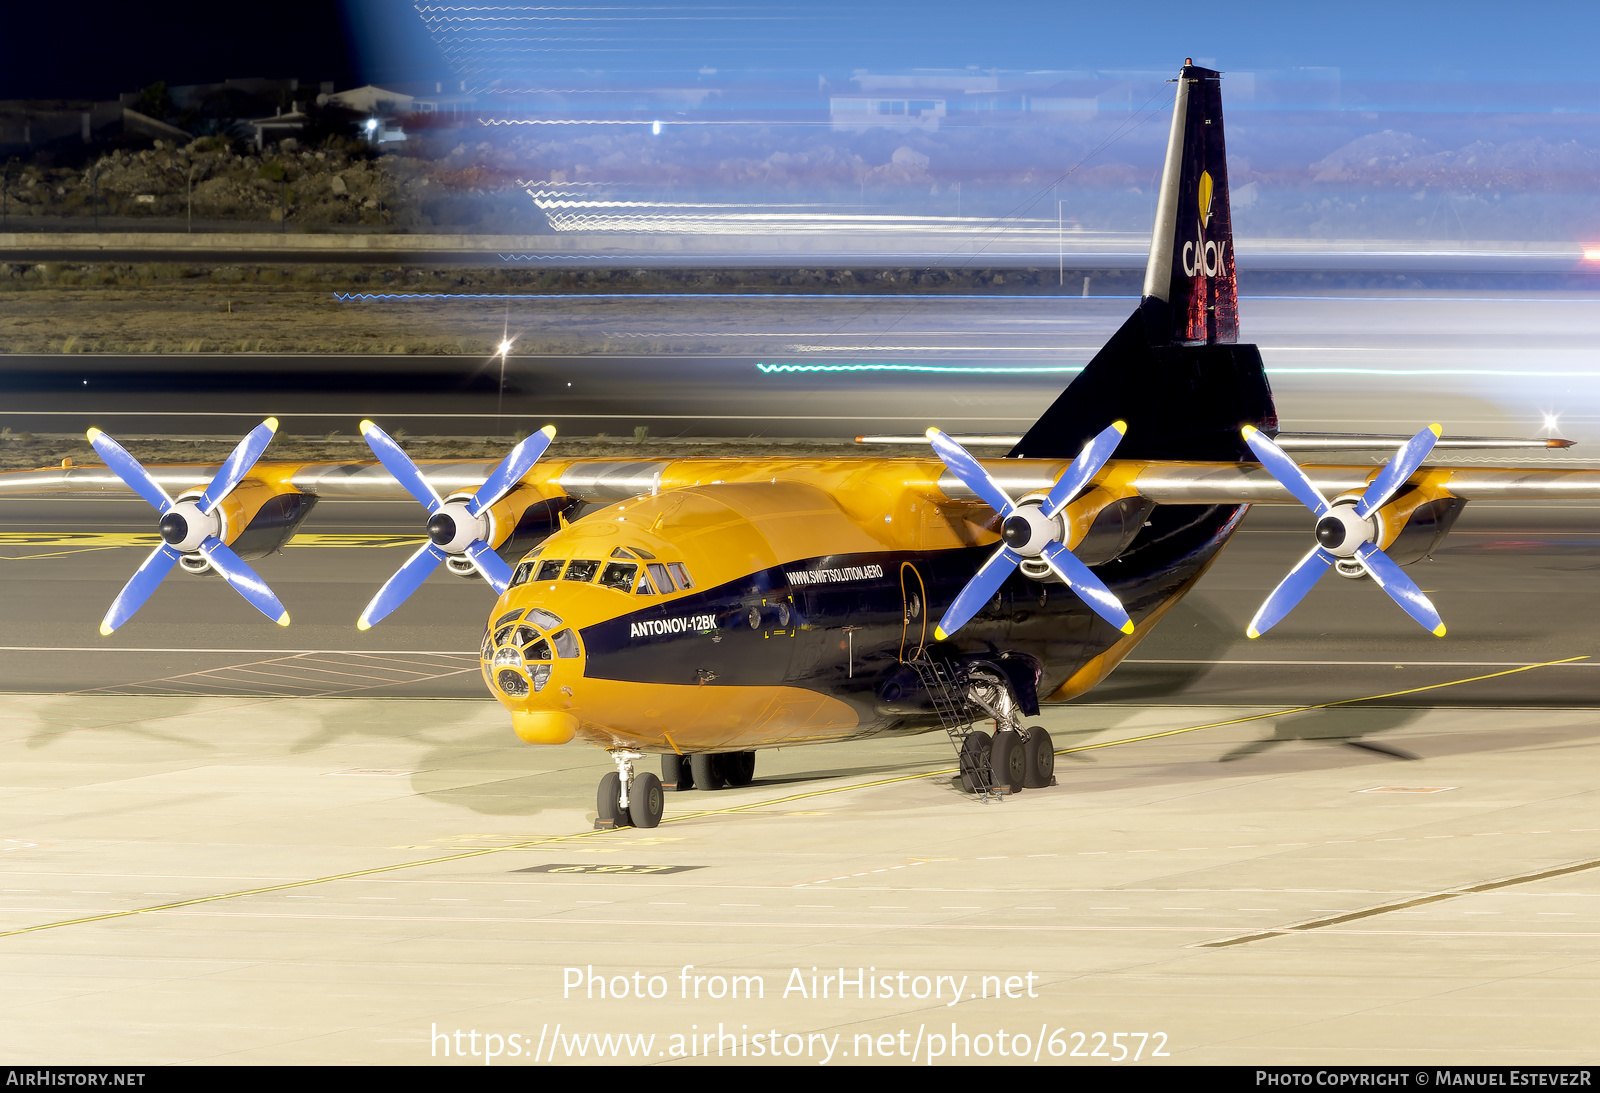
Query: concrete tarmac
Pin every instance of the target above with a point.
(356, 881)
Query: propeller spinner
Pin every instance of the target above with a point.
(1345, 531)
(455, 528)
(189, 526)
(1032, 529)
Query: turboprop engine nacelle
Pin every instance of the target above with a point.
(256, 519)
(1409, 528)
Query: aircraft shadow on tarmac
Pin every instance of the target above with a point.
(1346, 725)
(58, 720)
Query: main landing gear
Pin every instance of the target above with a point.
(1015, 758)
(709, 771)
(1009, 762)
(628, 799)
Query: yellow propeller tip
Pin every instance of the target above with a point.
(939, 633)
(271, 423)
(363, 624)
(367, 426)
(1127, 627)
(1249, 430)
(106, 631)
(1436, 429)
(283, 619)
(93, 435)
(1252, 633)
(931, 433)
(1120, 426)
(1439, 632)
(549, 431)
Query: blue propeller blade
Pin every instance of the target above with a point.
(490, 566)
(237, 465)
(517, 463)
(971, 472)
(1285, 470)
(1086, 466)
(1090, 589)
(1401, 467)
(243, 579)
(127, 468)
(1401, 589)
(1290, 591)
(406, 580)
(399, 464)
(979, 591)
(139, 586)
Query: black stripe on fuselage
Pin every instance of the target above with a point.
(847, 632)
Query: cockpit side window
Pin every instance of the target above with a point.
(550, 569)
(581, 569)
(523, 572)
(680, 574)
(663, 579)
(645, 587)
(619, 575)
(622, 552)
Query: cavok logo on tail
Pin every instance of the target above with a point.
(1199, 255)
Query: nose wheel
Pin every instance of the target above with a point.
(626, 799)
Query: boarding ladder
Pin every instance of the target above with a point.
(947, 691)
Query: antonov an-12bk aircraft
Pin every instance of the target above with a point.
(706, 609)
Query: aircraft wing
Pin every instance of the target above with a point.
(1165, 483)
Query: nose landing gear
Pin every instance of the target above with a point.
(627, 799)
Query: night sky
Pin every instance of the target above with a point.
(96, 49)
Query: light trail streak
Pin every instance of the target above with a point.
(982, 369)
(990, 297)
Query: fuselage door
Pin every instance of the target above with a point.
(914, 612)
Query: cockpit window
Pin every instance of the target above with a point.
(523, 572)
(645, 554)
(680, 574)
(662, 578)
(619, 575)
(645, 587)
(510, 616)
(566, 644)
(550, 569)
(581, 569)
(622, 552)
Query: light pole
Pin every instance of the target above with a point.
(1061, 246)
(192, 168)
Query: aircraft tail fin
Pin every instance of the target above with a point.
(1190, 288)
(1173, 371)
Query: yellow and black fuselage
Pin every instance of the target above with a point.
(748, 610)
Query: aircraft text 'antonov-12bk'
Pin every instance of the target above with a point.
(705, 609)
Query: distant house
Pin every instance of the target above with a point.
(370, 100)
(280, 125)
(377, 110)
